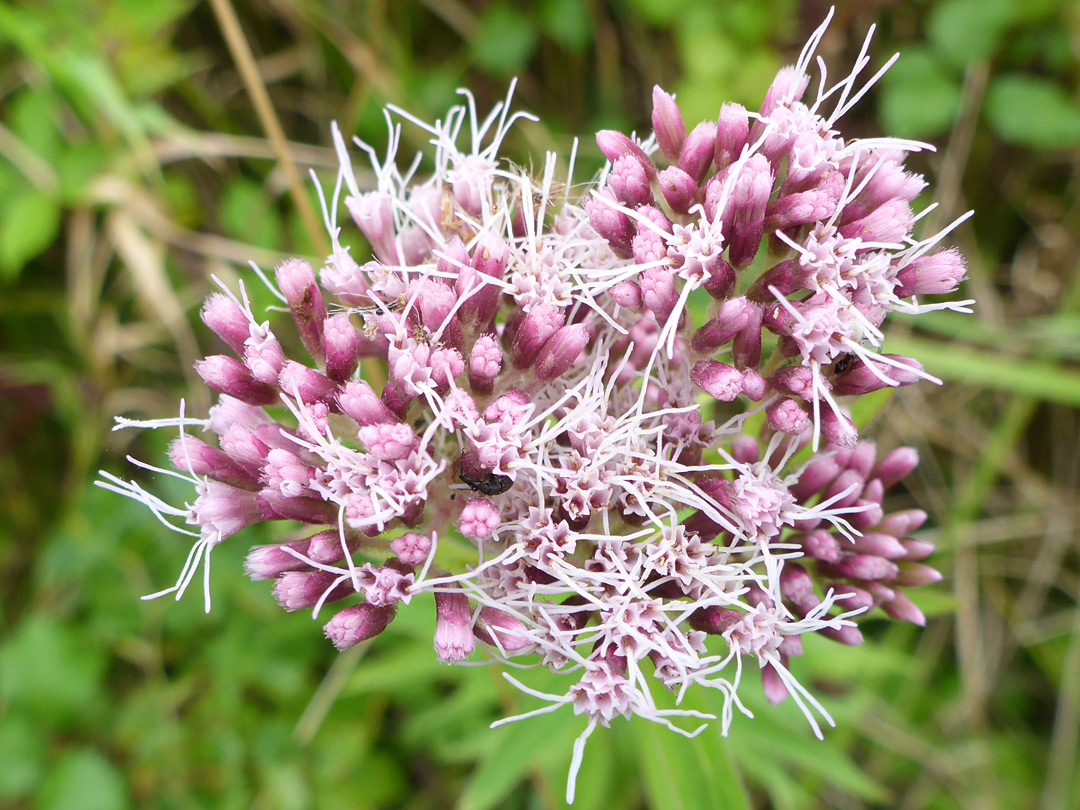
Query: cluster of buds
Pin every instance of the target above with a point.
(517, 372)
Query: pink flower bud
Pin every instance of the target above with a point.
(342, 347)
(855, 598)
(359, 402)
(838, 429)
(560, 351)
(714, 620)
(848, 481)
(800, 208)
(374, 213)
(358, 623)
(720, 279)
(189, 454)
(880, 545)
(306, 383)
(536, 329)
(627, 295)
(773, 684)
(936, 274)
(265, 357)
(229, 376)
(667, 123)
(732, 131)
(861, 566)
(786, 416)
(913, 574)
(303, 510)
(697, 151)
(658, 292)
(453, 257)
(389, 441)
(227, 321)
(903, 609)
(821, 545)
(847, 634)
(679, 189)
(901, 523)
(752, 189)
(817, 475)
(746, 348)
(411, 549)
(612, 224)
(296, 590)
(629, 182)
(734, 315)
(896, 465)
(788, 86)
(753, 385)
(916, 549)
(298, 285)
(485, 362)
(614, 145)
(717, 379)
(501, 630)
(745, 450)
(269, 562)
(453, 627)
(479, 519)
(796, 381)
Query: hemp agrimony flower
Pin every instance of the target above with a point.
(631, 482)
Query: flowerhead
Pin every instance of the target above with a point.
(652, 495)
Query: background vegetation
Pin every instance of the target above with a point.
(136, 160)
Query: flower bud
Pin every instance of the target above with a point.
(629, 182)
(667, 124)
(536, 329)
(786, 416)
(189, 454)
(614, 145)
(296, 590)
(341, 346)
(679, 189)
(501, 630)
(307, 384)
(358, 623)
(298, 285)
(485, 362)
(229, 376)
(697, 151)
(732, 131)
(717, 379)
(560, 351)
(227, 321)
(453, 627)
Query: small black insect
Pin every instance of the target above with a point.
(843, 364)
(486, 483)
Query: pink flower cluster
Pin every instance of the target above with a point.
(517, 372)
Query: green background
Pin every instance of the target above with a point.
(133, 165)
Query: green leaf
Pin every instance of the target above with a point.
(504, 40)
(1032, 111)
(526, 744)
(29, 224)
(22, 752)
(918, 98)
(1037, 378)
(50, 671)
(83, 779)
(567, 22)
(965, 31)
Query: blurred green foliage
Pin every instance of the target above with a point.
(132, 166)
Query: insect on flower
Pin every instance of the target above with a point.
(486, 483)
